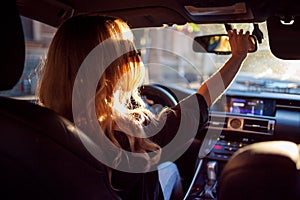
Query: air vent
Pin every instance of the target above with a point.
(241, 124)
(217, 121)
(260, 126)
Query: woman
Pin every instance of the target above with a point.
(120, 110)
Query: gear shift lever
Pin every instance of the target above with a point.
(212, 172)
(209, 191)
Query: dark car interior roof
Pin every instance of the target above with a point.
(157, 12)
(153, 13)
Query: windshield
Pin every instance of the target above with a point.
(173, 62)
(169, 59)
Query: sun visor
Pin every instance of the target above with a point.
(284, 37)
(50, 12)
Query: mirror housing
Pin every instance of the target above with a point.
(219, 44)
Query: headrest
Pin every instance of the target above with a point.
(12, 46)
(266, 170)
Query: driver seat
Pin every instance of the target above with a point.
(262, 171)
(41, 155)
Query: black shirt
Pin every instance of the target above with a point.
(181, 124)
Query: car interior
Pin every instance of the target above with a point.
(250, 143)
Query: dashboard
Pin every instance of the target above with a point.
(243, 119)
(250, 117)
(271, 116)
(239, 121)
(236, 120)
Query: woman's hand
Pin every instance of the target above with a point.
(214, 87)
(239, 43)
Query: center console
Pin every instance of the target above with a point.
(235, 121)
(236, 131)
(209, 168)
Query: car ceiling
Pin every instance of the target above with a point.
(152, 13)
(157, 12)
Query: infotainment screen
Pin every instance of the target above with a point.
(246, 106)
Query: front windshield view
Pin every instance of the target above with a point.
(181, 66)
(169, 57)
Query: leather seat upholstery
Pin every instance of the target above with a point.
(41, 155)
(262, 171)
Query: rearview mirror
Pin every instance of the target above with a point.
(219, 44)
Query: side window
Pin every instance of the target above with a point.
(37, 40)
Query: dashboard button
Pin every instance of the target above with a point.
(235, 144)
(218, 147)
(231, 149)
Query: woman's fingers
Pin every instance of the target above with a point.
(239, 42)
(247, 34)
(229, 33)
(234, 32)
(241, 32)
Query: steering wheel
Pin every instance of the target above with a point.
(158, 96)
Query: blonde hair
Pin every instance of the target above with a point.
(117, 101)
